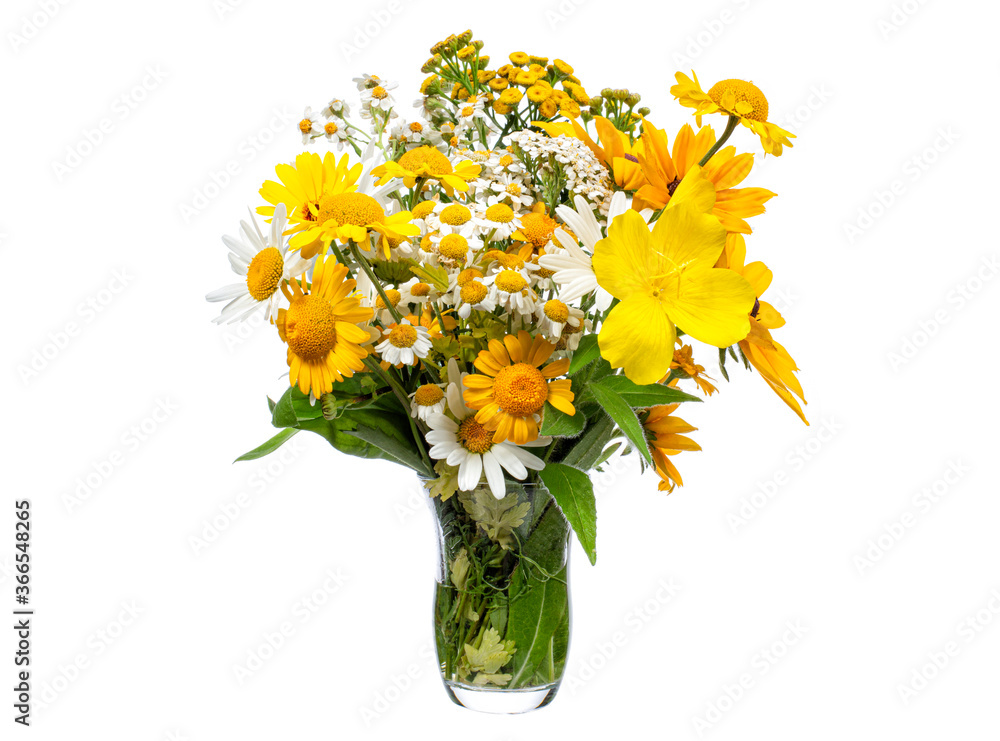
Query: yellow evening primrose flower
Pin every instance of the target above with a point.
(665, 277)
(770, 359)
(321, 329)
(428, 162)
(733, 98)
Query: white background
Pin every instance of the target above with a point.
(883, 95)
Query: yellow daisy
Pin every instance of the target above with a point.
(665, 439)
(321, 329)
(511, 388)
(738, 98)
(428, 162)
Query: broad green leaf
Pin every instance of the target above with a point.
(559, 424)
(621, 412)
(635, 395)
(399, 450)
(574, 494)
(585, 353)
(535, 616)
(270, 446)
(589, 447)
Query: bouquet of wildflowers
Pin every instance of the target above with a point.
(499, 290)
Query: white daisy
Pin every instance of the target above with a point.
(415, 291)
(377, 96)
(335, 133)
(469, 112)
(264, 263)
(311, 125)
(428, 399)
(510, 188)
(337, 108)
(501, 160)
(554, 316)
(475, 295)
(469, 446)
(498, 220)
(404, 343)
(513, 291)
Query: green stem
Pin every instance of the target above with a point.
(373, 364)
(363, 262)
(730, 128)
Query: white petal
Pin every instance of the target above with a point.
(470, 471)
(494, 475)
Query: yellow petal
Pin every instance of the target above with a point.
(622, 259)
(638, 337)
(711, 305)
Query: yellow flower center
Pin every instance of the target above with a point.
(392, 294)
(428, 395)
(429, 158)
(422, 209)
(500, 214)
(264, 273)
(520, 389)
(514, 189)
(305, 125)
(511, 281)
(331, 128)
(467, 276)
(402, 335)
(455, 215)
(310, 327)
(356, 209)
(474, 437)
(468, 111)
(743, 92)
(505, 161)
(416, 127)
(474, 292)
(420, 289)
(556, 310)
(538, 228)
(453, 246)
(509, 260)
(379, 92)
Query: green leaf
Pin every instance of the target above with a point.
(270, 446)
(586, 352)
(635, 395)
(621, 412)
(559, 424)
(588, 449)
(722, 363)
(574, 494)
(403, 453)
(436, 276)
(294, 407)
(535, 617)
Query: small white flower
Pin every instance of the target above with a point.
(416, 291)
(475, 295)
(311, 125)
(335, 133)
(427, 400)
(499, 219)
(404, 344)
(468, 445)
(554, 316)
(337, 108)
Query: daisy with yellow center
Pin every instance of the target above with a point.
(335, 133)
(416, 291)
(665, 433)
(264, 264)
(404, 344)
(770, 359)
(741, 100)
(475, 295)
(664, 169)
(427, 400)
(384, 312)
(311, 125)
(321, 329)
(554, 316)
(511, 387)
(428, 162)
(510, 188)
(513, 291)
(454, 248)
(497, 222)
(666, 277)
(464, 442)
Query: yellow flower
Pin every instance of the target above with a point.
(683, 361)
(770, 359)
(667, 277)
(511, 388)
(321, 329)
(664, 431)
(733, 98)
(663, 171)
(428, 162)
(519, 58)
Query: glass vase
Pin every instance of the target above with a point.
(501, 603)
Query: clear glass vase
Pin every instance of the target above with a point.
(502, 603)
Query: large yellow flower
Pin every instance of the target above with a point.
(665, 439)
(667, 277)
(770, 359)
(428, 162)
(665, 169)
(733, 98)
(328, 205)
(321, 329)
(511, 388)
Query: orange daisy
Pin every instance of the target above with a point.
(665, 440)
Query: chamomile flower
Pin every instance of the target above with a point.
(335, 133)
(471, 111)
(511, 188)
(475, 295)
(449, 218)
(311, 125)
(264, 263)
(469, 445)
(496, 222)
(416, 291)
(554, 316)
(454, 248)
(501, 160)
(404, 343)
(513, 291)
(377, 97)
(337, 108)
(427, 400)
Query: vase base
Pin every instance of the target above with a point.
(501, 701)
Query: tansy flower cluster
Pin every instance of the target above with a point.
(503, 278)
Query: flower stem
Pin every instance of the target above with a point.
(730, 128)
(363, 262)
